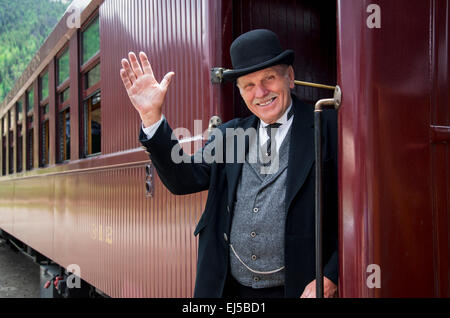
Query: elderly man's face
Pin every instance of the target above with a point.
(267, 93)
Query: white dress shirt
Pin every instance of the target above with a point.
(151, 130)
(280, 133)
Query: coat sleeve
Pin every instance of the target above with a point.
(185, 177)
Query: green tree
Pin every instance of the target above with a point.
(24, 26)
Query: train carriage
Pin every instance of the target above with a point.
(76, 188)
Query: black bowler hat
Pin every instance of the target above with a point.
(254, 51)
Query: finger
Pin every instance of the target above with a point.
(125, 79)
(312, 290)
(309, 291)
(129, 71)
(135, 64)
(305, 292)
(166, 80)
(146, 64)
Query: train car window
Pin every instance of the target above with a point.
(64, 135)
(62, 107)
(29, 129)
(63, 67)
(11, 143)
(63, 125)
(19, 148)
(64, 96)
(12, 118)
(19, 133)
(90, 40)
(11, 153)
(3, 139)
(44, 156)
(30, 147)
(92, 77)
(44, 142)
(44, 86)
(5, 126)
(92, 123)
(30, 100)
(19, 110)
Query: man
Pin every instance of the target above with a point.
(257, 230)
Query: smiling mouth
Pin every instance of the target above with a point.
(267, 103)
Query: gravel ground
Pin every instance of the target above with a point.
(19, 275)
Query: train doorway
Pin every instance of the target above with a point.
(307, 27)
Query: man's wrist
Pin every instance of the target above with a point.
(151, 120)
(150, 131)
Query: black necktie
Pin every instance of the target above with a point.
(273, 127)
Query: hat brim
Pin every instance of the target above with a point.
(287, 57)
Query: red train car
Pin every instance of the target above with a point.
(77, 188)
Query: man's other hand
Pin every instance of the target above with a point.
(329, 289)
(146, 94)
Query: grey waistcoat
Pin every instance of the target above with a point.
(257, 231)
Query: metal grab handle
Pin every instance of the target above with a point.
(314, 85)
(149, 181)
(331, 103)
(214, 122)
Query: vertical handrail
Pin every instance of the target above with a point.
(318, 201)
(331, 103)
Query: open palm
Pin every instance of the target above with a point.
(145, 93)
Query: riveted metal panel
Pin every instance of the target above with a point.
(177, 36)
(6, 202)
(127, 244)
(385, 182)
(94, 212)
(33, 213)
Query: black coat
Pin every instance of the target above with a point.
(221, 180)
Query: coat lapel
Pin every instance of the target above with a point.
(301, 152)
(234, 169)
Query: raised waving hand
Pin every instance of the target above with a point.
(146, 94)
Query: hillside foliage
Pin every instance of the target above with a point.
(24, 26)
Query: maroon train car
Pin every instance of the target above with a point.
(76, 187)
